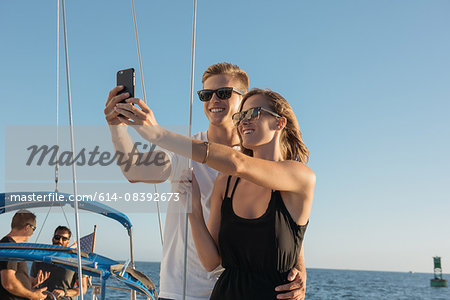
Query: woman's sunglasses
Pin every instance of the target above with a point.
(251, 114)
(57, 237)
(221, 93)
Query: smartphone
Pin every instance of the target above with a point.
(127, 79)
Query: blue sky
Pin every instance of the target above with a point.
(368, 81)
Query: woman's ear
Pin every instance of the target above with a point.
(281, 123)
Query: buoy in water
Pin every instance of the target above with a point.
(438, 281)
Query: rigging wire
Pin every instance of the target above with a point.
(191, 97)
(57, 129)
(190, 124)
(57, 99)
(65, 217)
(57, 113)
(145, 100)
(42, 226)
(74, 174)
(139, 51)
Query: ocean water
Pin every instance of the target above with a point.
(339, 284)
(342, 284)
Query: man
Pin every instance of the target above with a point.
(61, 282)
(15, 282)
(219, 109)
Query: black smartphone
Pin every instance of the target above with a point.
(126, 78)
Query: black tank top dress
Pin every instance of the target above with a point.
(257, 254)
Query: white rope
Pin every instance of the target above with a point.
(191, 97)
(74, 173)
(145, 100)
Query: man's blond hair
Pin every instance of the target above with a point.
(223, 68)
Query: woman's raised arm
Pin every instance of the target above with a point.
(289, 176)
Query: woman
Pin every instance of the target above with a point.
(260, 204)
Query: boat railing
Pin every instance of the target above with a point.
(97, 289)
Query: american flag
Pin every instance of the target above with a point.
(86, 242)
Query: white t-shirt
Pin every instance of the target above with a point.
(199, 283)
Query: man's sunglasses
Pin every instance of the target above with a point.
(32, 226)
(58, 237)
(221, 93)
(251, 114)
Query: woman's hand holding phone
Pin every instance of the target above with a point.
(123, 90)
(111, 115)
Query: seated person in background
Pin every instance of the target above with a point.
(61, 282)
(15, 282)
